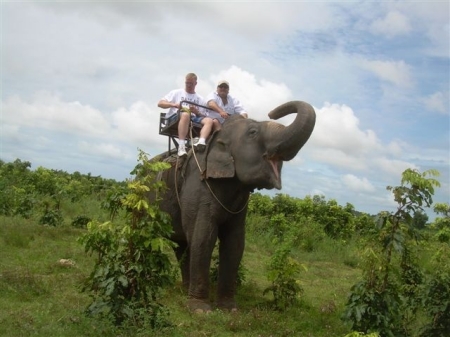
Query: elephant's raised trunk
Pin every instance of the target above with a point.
(284, 142)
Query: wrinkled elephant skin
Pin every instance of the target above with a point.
(213, 188)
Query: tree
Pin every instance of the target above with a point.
(132, 265)
(388, 296)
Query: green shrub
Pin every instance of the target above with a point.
(214, 270)
(443, 235)
(132, 266)
(387, 299)
(51, 217)
(81, 221)
(436, 296)
(282, 274)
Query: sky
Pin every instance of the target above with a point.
(80, 82)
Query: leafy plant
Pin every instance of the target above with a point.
(436, 295)
(214, 270)
(360, 334)
(81, 221)
(442, 224)
(386, 299)
(113, 200)
(132, 266)
(282, 273)
(51, 217)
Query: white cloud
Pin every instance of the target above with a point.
(431, 19)
(392, 25)
(437, 102)
(107, 64)
(337, 127)
(356, 184)
(48, 112)
(394, 167)
(259, 96)
(102, 150)
(339, 159)
(138, 123)
(396, 72)
(339, 142)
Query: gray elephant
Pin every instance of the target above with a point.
(209, 191)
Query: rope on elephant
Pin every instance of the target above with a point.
(209, 187)
(223, 206)
(176, 166)
(206, 182)
(176, 184)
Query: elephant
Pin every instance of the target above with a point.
(208, 194)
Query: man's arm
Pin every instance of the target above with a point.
(238, 108)
(213, 105)
(163, 104)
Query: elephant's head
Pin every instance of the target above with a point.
(254, 152)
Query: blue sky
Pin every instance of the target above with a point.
(80, 84)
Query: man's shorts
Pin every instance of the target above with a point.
(172, 118)
(197, 119)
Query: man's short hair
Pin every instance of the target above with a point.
(191, 75)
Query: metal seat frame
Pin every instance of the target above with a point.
(169, 127)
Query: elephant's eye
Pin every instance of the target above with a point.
(252, 133)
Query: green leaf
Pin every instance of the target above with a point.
(123, 281)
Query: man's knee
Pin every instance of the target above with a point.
(207, 121)
(185, 116)
(216, 124)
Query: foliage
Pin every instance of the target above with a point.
(282, 274)
(113, 200)
(419, 220)
(337, 222)
(360, 334)
(386, 300)
(51, 217)
(442, 224)
(260, 204)
(81, 221)
(364, 224)
(214, 270)
(436, 295)
(15, 197)
(42, 192)
(132, 266)
(40, 296)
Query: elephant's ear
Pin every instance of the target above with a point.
(219, 162)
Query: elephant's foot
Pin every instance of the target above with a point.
(227, 305)
(199, 306)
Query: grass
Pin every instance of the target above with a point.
(41, 297)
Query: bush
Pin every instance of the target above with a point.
(81, 221)
(282, 274)
(387, 299)
(436, 296)
(132, 266)
(51, 217)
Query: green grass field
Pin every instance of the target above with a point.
(39, 296)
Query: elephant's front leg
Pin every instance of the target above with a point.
(231, 249)
(182, 254)
(201, 244)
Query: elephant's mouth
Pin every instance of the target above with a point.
(275, 176)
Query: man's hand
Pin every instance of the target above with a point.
(194, 110)
(223, 114)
